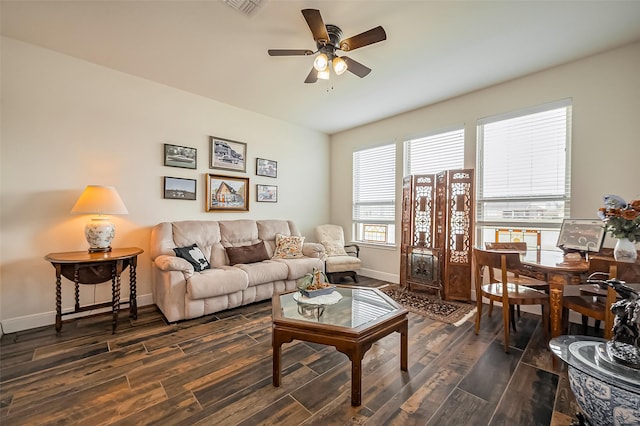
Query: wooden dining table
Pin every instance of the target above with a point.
(551, 266)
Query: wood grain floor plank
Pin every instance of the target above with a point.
(168, 412)
(466, 408)
(284, 411)
(39, 364)
(251, 400)
(497, 365)
(529, 398)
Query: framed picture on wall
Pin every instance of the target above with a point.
(227, 154)
(179, 188)
(267, 193)
(227, 193)
(180, 156)
(267, 168)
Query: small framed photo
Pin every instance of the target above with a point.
(227, 154)
(227, 193)
(180, 156)
(179, 188)
(267, 193)
(267, 168)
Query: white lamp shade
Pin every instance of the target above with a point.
(97, 199)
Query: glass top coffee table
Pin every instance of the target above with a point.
(351, 324)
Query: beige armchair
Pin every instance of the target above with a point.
(341, 260)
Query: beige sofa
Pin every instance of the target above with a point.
(182, 292)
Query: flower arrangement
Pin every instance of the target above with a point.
(620, 218)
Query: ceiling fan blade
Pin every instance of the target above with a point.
(356, 67)
(312, 77)
(366, 38)
(289, 52)
(316, 25)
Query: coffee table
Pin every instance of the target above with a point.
(360, 318)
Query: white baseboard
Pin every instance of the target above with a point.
(27, 322)
(384, 276)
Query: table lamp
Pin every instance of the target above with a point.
(99, 200)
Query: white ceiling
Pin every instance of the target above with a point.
(434, 50)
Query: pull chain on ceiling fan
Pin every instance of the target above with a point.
(328, 40)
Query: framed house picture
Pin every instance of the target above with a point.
(180, 156)
(227, 193)
(267, 193)
(267, 168)
(227, 154)
(179, 188)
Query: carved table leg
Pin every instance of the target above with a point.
(76, 282)
(115, 280)
(58, 298)
(555, 302)
(133, 301)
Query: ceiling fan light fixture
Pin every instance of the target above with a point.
(339, 65)
(321, 62)
(324, 74)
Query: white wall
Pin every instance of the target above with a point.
(67, 123)
(605, 156)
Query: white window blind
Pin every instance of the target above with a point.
(374, 192)
(434, 153)
(524, 168)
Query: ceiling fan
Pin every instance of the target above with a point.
(328, 40)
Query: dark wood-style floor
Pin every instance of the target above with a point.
(217, 370)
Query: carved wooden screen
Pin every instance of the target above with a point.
(458, 211)
(437, 214)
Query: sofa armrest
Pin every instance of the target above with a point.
(173, 263)
(313, 250)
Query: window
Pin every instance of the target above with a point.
(374, 194)
(435, 153)
(523, 173)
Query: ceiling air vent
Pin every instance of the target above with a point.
(247, 7)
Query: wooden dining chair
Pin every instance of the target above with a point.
(595, 302)
(521, 248)
(505, 289)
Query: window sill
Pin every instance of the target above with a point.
(389, 247)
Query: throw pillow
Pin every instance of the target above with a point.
(334, 248)
(247, 254)
(288, 247)
(194, 256)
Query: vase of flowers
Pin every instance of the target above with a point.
(622, 221)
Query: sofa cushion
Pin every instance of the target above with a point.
(264, 272)
(298, 268)
(247, 254)
(216, 282)
(194, 256)
(334, 248)
(288, 247)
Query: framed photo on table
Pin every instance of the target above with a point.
(584, 235)
(227, 193)
(179, 188)
(268, 168)
(227, 154)
(267, 193)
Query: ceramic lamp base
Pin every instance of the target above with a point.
(99, 234)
